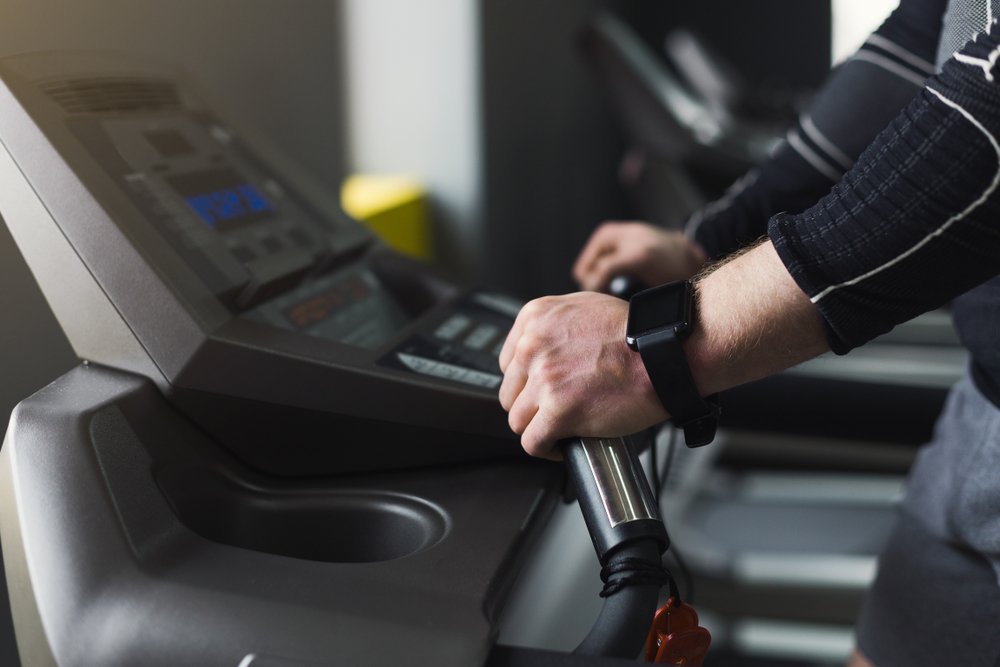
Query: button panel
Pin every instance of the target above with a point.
(452, 327)
(481, 336)
(449, 371)
(463, 345)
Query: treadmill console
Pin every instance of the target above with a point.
(171, 244)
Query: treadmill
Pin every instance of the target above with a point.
(686, 147)
(283, 444)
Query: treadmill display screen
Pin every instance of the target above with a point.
(246, 236)
(351, 307)
(325, 305)
(223, 199)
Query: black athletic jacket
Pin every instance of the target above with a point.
(913, 217)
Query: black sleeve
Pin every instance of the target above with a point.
(858, 100)
(916, 221)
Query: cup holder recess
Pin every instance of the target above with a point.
(334, 526)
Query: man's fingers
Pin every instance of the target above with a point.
(601, 241)
(523, 410)
(509, 345)
(540, 436)
(514, 379)
(513, 338)
(606, 268)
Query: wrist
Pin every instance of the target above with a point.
(753, 321)
(638, 377)
(702, 351)
(660, 321)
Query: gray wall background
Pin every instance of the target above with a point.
(412, 69)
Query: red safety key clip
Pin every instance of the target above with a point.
(675, 637)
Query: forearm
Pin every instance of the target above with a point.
(752, 321)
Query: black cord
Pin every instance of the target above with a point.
(633, 572)
(671, 448)
(652, 462)
(685, 575)
(661, 481)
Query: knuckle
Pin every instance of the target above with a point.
(542, 304)
(530, 343)
(547, 375)
(528, 310)
(606, 230)
(551, 373)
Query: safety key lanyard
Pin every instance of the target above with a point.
(675, 637)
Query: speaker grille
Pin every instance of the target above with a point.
(113, 94)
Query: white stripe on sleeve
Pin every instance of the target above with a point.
(949, 222)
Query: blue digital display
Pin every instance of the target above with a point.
(229, 205)
(223, 198)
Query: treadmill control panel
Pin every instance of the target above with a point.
(232, 280)
(350, 306)
(250, 240)
(464, 346)
(257, 248)
(236, 225)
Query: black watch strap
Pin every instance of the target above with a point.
(668, 372)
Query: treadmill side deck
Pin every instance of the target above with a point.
(95, 462)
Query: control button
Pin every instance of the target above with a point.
(481, 336)
(274, 188)
(445, 371)
(243, 254)
(220, 134)
(271, 244)
(500, 304)
(300, 237)
(451, 327)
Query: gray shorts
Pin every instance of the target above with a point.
(936, 599)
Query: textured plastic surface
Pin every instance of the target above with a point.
(97, 545)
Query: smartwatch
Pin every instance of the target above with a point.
(659, 319)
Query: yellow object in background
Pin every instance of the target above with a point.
(394, 207)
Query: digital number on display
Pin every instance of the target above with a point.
(229, 205)
(224, 199)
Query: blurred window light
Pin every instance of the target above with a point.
(854, 21)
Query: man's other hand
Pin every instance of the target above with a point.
(651, 255)
(568, 371)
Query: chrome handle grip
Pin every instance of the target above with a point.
(614, 495)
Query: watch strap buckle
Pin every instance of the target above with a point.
(700, 430)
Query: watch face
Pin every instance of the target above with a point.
(667, 306)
